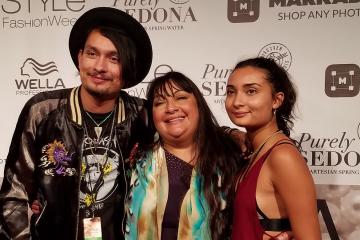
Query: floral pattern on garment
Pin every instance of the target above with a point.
(56, 160)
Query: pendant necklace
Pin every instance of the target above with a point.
(92, 190)
(254, 155)
(98, 129)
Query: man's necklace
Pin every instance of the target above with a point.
(102, 165)
(98, 129)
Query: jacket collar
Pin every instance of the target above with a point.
(75, 113)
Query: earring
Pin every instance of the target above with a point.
(274, 111)
(156, 137)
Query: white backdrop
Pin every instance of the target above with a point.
(316, 41)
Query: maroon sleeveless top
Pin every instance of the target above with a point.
(246, 224)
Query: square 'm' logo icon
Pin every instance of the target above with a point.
(243, 10)
(342, 80)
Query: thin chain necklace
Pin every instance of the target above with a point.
(107, 145)
(254, 155)
(98, 129)
(102, 164)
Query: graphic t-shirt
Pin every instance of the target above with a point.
(101, 176)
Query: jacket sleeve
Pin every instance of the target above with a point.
(18, 182)
(143, 129)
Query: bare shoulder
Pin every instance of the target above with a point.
(286, 157)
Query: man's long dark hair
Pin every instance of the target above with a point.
(218, 155)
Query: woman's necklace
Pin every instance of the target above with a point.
(255, 153)
(257, 150)
(98, 129)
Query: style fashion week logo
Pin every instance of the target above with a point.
(20, 14)
(278, 52)
(240, 11)
(37, 77)
(342, 80)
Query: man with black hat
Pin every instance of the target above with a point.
(70, 146)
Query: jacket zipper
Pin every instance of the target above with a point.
(41, 214)
(78, 189)
(126, 185)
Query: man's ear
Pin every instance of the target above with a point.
(278, 100)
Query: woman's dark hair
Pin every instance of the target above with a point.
(280, 81)
(126, 49)
(219, 156)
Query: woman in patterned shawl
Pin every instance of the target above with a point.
(181, 186)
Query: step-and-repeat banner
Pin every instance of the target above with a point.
(316, 41)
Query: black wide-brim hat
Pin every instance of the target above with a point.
(112, 17)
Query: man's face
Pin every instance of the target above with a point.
(100, 68)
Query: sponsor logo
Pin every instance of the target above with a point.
(141, 89)
(324, 153)
(172, 15)
(161, 70)
(240, 11)
(314, 10)
(342, 80)
(290, 3)
(31, 66)
(214, 79)
(37, 77)
(20, 6)
(278, 52)
(48, 13)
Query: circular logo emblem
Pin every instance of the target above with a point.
(278, 52)
(179, 1)
(161, 70)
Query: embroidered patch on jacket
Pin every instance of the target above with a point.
(56, 160)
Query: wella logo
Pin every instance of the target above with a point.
(31, 65)
(35, 76)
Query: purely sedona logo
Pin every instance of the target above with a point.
(279, 52)
(243, 10)
(56, 160)
(159, 16)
